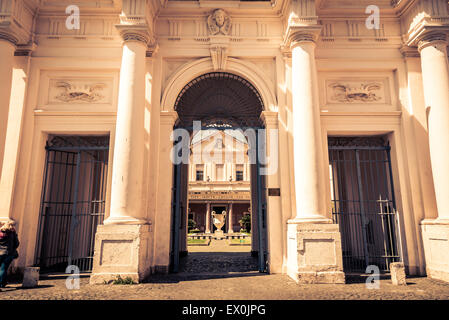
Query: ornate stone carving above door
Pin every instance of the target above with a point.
(219, 22)
(79, 91)
(355, 92)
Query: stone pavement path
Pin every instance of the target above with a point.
(243, 286)
(218, 257)
(218, 272)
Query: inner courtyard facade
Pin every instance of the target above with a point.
(340, 110)
(219, 185)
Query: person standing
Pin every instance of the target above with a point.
(9, 243)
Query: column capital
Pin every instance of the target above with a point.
(169, 117)
(135, 34)
(296, 35)
(409, 52)
(270, 119)
(9, 38)
(432, 39)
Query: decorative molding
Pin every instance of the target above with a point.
(79, 92)
(133, 35)
(409, 52)
(152, 50)
(432, 39)
(218, 55)
(357, 141)
(298, 34)
(136, 22)
(423, 17)
(5, 36)
(219, 22)
(365, 92)
(16, 21)
(219, 195)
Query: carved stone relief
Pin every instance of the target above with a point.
(219, 22)
(79, 91)
(356, 92)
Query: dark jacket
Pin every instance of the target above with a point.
(9, 242)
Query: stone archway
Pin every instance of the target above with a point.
(169, 117)
(219, 95)
(223, 101)
(192, 70)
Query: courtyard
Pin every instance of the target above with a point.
(220, 271)
(232, 286)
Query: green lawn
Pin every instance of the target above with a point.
(241, 241)
(197, 241)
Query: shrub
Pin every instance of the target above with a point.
(245, 223)
(191, 224)
(120, 280)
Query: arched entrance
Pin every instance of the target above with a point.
(218, 102)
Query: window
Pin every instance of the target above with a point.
(199, 173)
(239, 173)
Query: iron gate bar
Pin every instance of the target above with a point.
(62, 179)
(362, 207)
(75, 203)
(375, 166)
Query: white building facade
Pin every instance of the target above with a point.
(360, 110)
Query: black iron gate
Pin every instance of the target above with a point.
(73, 201)
(363, 202)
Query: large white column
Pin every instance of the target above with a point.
(7, 49)
(313, 243)
(208, 217)
(127, 167)
(307, 145)
(435, 75)
(123, 242)
(230, 228)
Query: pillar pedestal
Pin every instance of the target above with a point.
(315, 254)
(121, 250)
(436, 247)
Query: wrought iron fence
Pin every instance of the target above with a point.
(363, 202)
(73, 201)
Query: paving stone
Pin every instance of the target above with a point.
(214, 279)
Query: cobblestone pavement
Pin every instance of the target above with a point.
(247, 286)
(208, 274)
(218, 257)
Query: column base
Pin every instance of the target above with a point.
(124, 220)
(121, 250)
(314, 253)
(436, 248)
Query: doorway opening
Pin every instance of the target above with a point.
(219, 202)
(363, 202)
(72, 202)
